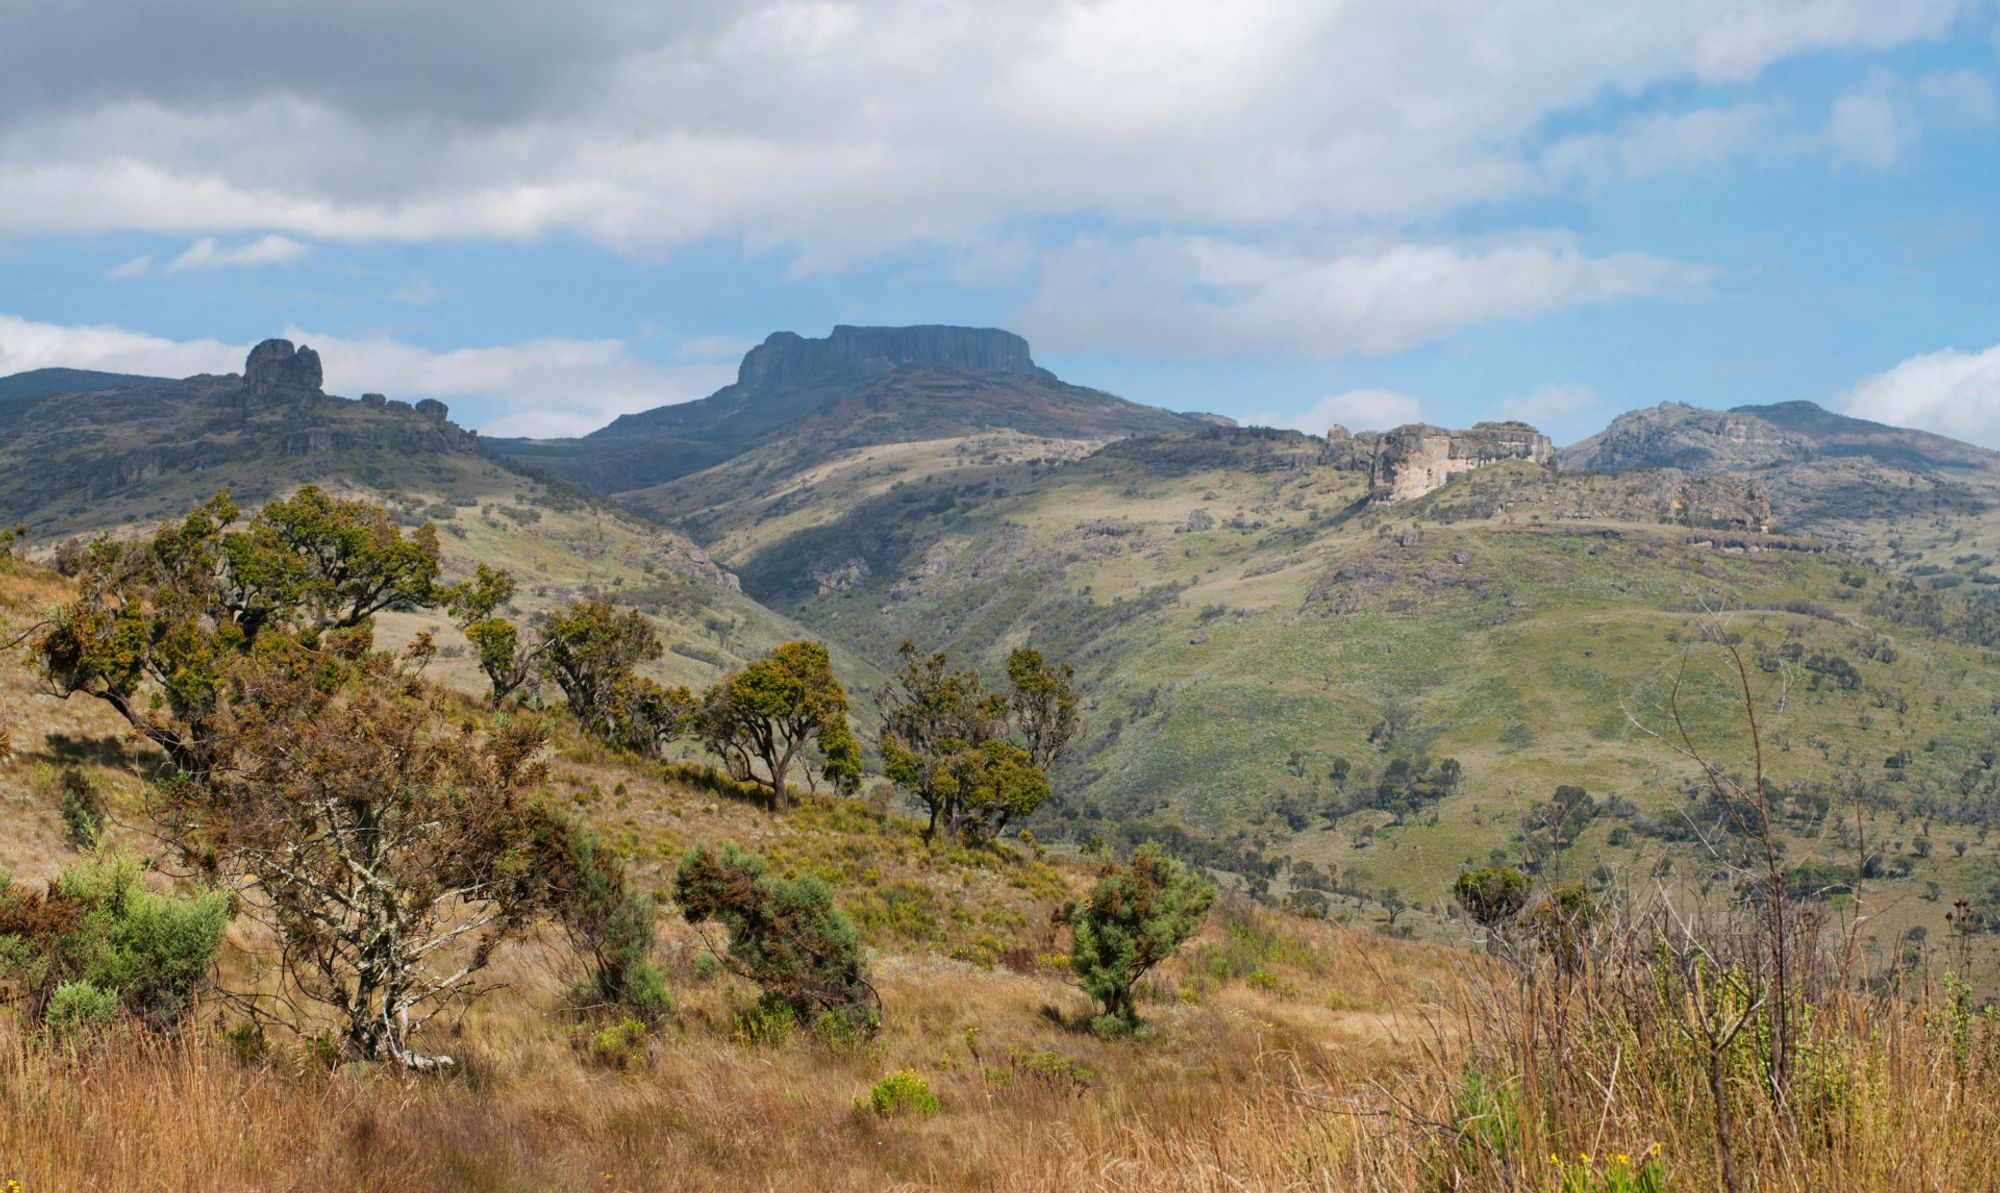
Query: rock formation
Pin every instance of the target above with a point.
(1413, 460)
(276, 369)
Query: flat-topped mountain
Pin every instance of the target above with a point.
(872, 384)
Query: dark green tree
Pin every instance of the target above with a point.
(785, 935)
(1134, 918)
(507, 662)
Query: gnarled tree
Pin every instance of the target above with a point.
(592, 651)
(388, 852)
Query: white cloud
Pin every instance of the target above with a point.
(207, 253)
(1872, 124)
(715, 348)
(1356, 409)
(1195, 296)
(841, 129)
(1556, 410)
(542, 387)
(1664, 143)
(1950, 392)
(137, 267)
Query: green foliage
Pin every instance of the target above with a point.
(592, 651)
(496, 641)
(770, 713)
(784, 934)
(98, 925)
(975, 759)
(607, 921)
(1491, 896)
(82, 808)
(13, 539)
(158, 628)
(78, 1009)
(624, 1044)
(1134, 918)
(900, 1093)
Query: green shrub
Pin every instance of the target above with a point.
(79, 1009)
(899, 1092)
(1135, 917)
(619, 1045)
(784, 934)
(82, 808)
(767, 1023)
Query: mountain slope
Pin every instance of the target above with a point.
(41, 382)
(858, 386)
(1920, 503)
(125, 458)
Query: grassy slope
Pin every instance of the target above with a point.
(1523, 647)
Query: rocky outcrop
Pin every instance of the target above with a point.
(1411, 461)
(857, 355)
(1676, 435)
(275, 369)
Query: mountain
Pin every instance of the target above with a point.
(857, 386)
(38, 383)
(124, 457)
(1923, 504)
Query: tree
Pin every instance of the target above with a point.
(1134, 918)
(592, 652)
(974, 758)
(475, 604)
(785, 935)
(389, 853)
(157, 627)
(1492, 897)
(772, 711)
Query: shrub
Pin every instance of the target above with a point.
(899, 1092)
(619, 1045)
(79, 1009)
(784, 934)
(82, 808)
(1134, 918)
(1491, 896)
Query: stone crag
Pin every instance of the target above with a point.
(1411, 461)
(856, 355)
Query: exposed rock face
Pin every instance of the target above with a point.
(276, 369)
(1411, 461)
(1676, 435)
(856, 355)
(434, 410)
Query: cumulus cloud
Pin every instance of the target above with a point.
(1950, 392)
(844, 128)
(1356, 409)
(542, 387)
(1197, 296)
(1669, 142)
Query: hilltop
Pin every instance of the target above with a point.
(857, 386)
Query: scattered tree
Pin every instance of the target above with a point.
(771, 712)
(507, 663)
(1134, 918)
(608, 923)
(975, 759)
(1492, 897)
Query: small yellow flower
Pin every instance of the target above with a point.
(1555, 1159)
(1583, 1156)
(1622, 1158)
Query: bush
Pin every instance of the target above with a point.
(97, 926)
(82, 808)
(784, 934)
(1135, 917)
(79, 1009)
(619, 1045)
(899, 1092)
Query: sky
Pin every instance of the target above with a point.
(1291, 212)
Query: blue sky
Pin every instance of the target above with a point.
(1287, 212)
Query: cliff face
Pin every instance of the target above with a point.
(1411, 461)
(857, 355)
(1676, 435)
